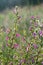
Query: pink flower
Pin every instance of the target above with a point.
(34, 34)
(33, 60)
(41, 32)
(17, 35)
(42, 62)
(35, 46)
(16, 45)
(7, 38)
(32, 17)
(8, 30)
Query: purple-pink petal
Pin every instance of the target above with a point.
(42, 62)
(7, 38)
(41, 32)
(33, 60)
(34, 34)
(32, 17)
(16, 45)
(17, 35)
(35, 46)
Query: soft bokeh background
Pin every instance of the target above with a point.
(26, 8)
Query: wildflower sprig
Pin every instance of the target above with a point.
(23, 44)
